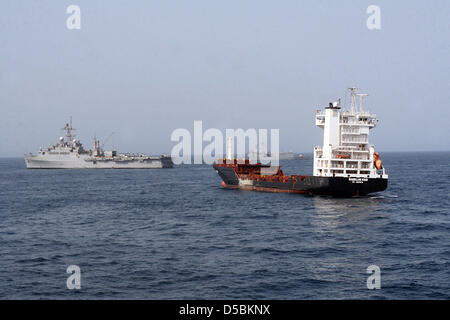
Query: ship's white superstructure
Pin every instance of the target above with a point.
(346, 151)
(69, 153)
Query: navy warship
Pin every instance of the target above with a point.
(69, 153)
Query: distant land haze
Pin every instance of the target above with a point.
(144, 69)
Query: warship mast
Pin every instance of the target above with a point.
(68, 128)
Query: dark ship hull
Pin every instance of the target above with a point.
(248, 177)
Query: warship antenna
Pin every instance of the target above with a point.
(361, 96)
(68, 127)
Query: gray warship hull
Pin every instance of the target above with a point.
(85, 162)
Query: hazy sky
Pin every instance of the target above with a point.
(144, 68)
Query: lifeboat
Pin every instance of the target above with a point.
(377, 161)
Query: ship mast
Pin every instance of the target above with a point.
(353, 95)
(68, 127)
(361, 96)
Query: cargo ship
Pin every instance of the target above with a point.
(345, 166)
(69, 153)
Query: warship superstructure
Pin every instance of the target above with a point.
(69, 153)
(346, 164)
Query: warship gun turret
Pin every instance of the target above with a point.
(69, 153)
